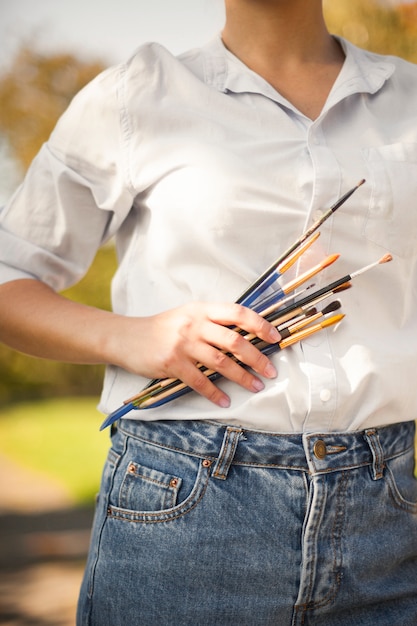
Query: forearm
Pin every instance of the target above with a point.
(39, 322)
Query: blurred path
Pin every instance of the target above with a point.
(43, 544)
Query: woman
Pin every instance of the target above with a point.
(283, 494)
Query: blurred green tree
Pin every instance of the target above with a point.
(376, 25)
(33, 93)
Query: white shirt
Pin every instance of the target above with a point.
(205, 174)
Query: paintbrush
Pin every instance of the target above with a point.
(298, 242)
(173, 385)
(296, 324)
(278, 272)
(284, 262)
(284, 291)
(312, 315)
(270, 300)
(294, 284)
(324, 291)
(167, 393)
(180, 388)
(299, 308)
(280, 315)
(166, 384)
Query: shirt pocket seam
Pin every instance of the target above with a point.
(393, 176)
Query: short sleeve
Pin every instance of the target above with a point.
(76, 192)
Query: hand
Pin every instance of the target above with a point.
(37, 321)
(171, 344)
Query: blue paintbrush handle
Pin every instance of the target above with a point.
(117, 414)
(268, 301)
(126, 408)
(256, 293)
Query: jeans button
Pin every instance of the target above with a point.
(319, 449)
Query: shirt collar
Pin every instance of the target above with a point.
(362, 72)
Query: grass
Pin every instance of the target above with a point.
(58, 438)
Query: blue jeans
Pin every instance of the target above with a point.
(200, 524)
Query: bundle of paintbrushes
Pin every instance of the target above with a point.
(294, 314)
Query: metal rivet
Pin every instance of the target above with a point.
(319, 449)
(131, 468)
(206, 463)
(173, 482)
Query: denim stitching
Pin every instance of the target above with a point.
(227, 453)
(399, 501)
(114, 458)
(222, 455)
(316, 519)
(336, 542)
(184, 508)
(337, 554)
(212, 456)
(374, 443)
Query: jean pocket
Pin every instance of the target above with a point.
(391, 218)
(402, 482)
(153, 483)
(144, 489)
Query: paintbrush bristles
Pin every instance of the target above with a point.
(342, 287)
(310, 273)
(385, 259)
(332, 320)
(333, 306)
(303, 334)
(329, 260)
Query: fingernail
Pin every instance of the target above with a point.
(270, 371)
(224, 402)
(274, 335)
(257, 385)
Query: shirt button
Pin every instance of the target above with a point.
(317, 215)
(325, 395)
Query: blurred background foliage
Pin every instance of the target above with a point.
(381, 26)
(34, 92)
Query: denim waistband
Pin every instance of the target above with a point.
(311, 452)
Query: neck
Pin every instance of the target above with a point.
(265, 34)
(287, 43)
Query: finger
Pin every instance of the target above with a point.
(241, 317)
(195, 378)
(231, 342)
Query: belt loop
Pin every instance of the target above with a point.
(227, 452)
(374, 443)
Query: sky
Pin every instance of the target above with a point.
(109, 30)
